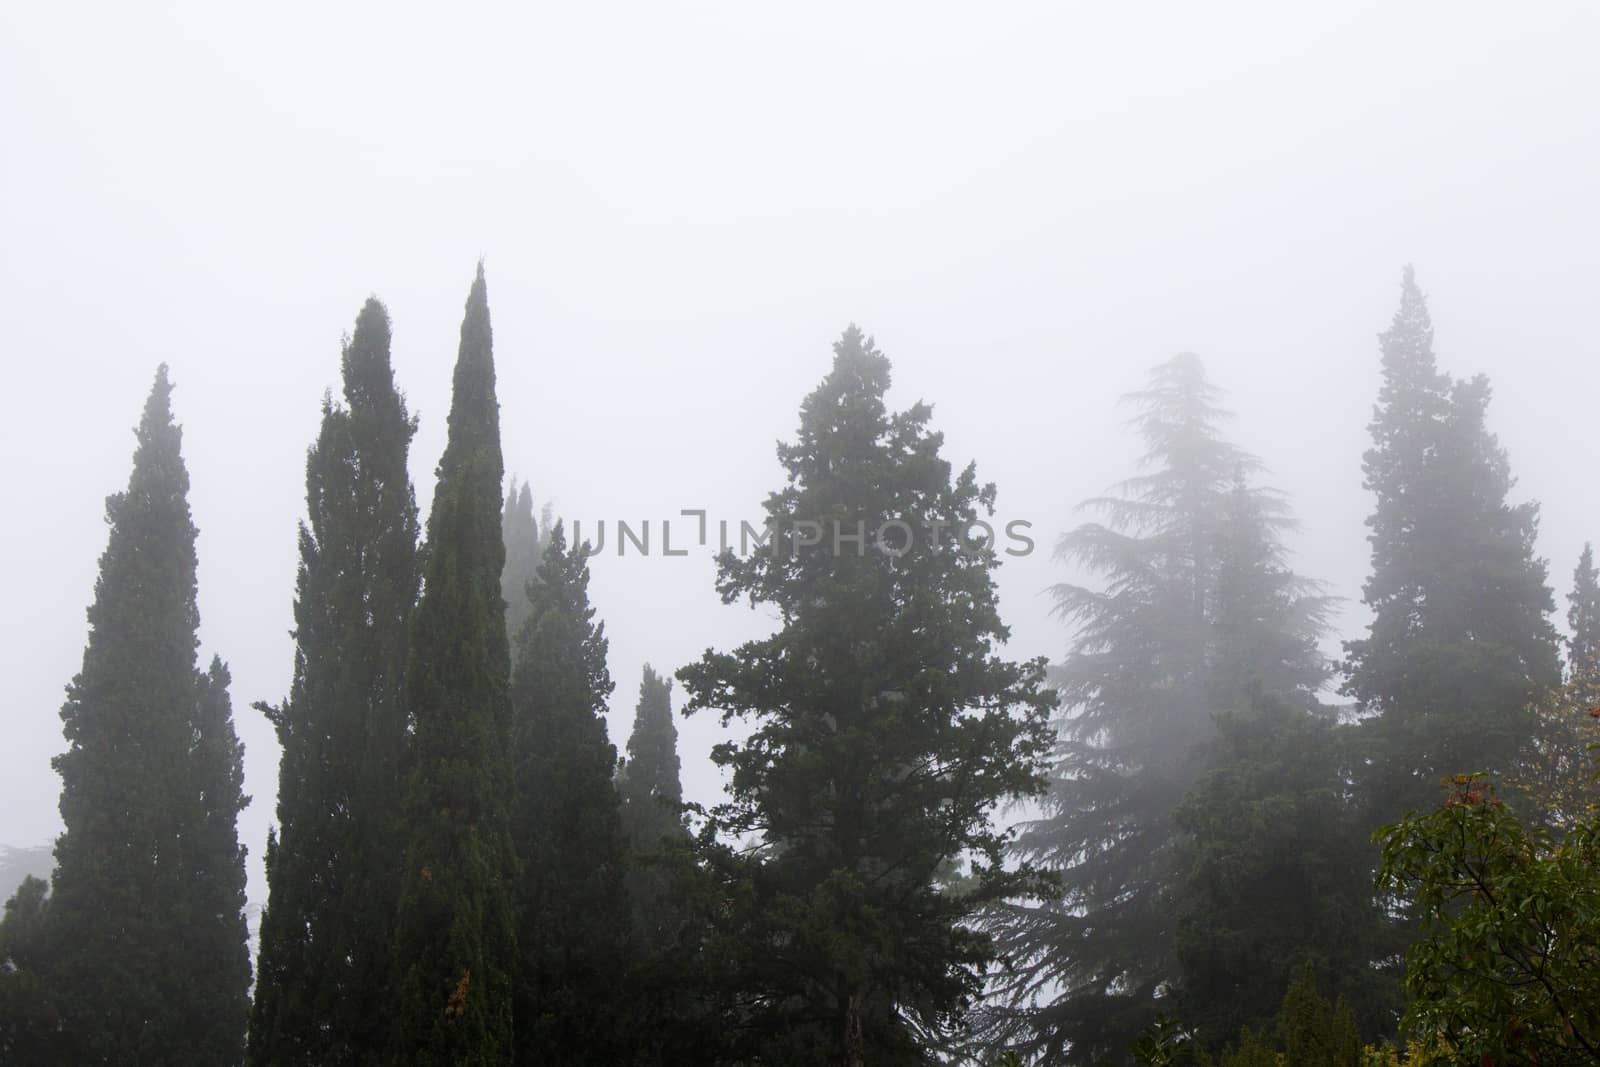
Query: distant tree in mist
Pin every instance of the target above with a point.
(141, 944)
(572, 907)
(1196, 614)
(526, 536)
(1275, 875)
(1555, 779)
(455, 936)
(322, 994)
(652, 796)
(1460, 645)
(885, 732)
(1583, 619)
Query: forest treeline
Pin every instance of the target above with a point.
(1195, 837)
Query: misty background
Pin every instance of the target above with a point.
(680, 207)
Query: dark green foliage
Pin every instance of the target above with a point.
(28, 1018)
(571, 904)
(525, 538)
(332, 866)
(455, 940)
(1197, 611)
(1275, 875)
(652, 801)
(885, 732)
(1314, 1032)
(1460, 643)
(1583, 619)
(145, 936)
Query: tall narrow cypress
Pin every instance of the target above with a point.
(652, 795)
(525, 537)
(148, 960)
(322, 994)
(455, 935)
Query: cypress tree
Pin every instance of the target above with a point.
(652, 801)
(455, 939)
(148, 961)
(332, 867)
(1460, 644)
(525, 538)
(886, 731)
(572, 906)
(1197, 612)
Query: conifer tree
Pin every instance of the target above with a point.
(652, 798)
(1583, 619)
(29, 1019)
(1273, 875)
(526, 537)
(886, 730)
(455, 937)
(572, 906)
(1460, 644)
(1556, 781)
(1197, 611)
(148, 961)
(332, 866)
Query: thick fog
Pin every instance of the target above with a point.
(681, 206)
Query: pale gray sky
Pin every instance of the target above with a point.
(681, 205)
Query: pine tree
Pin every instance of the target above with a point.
(323, 991)
(1197, 612)
(886, 730)
(148, 961)
(455, 937)
(525, 538)
(652, 798)
(1460, 644)
(572, 906)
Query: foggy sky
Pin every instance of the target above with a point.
(682, 205)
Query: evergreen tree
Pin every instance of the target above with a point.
(572, 905)
(1556, 781)
(148, 961)
(29, 1020)
(525, 538)
(1197, 612)
(1583, 618)
(652, 799)
(1460, 644)
(323, 991)
(455, 938)
(1274, 875)
(886, 730)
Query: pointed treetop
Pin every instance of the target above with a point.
(1409, 338)
(1583, 647)
(365, 360)
(474, 422)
